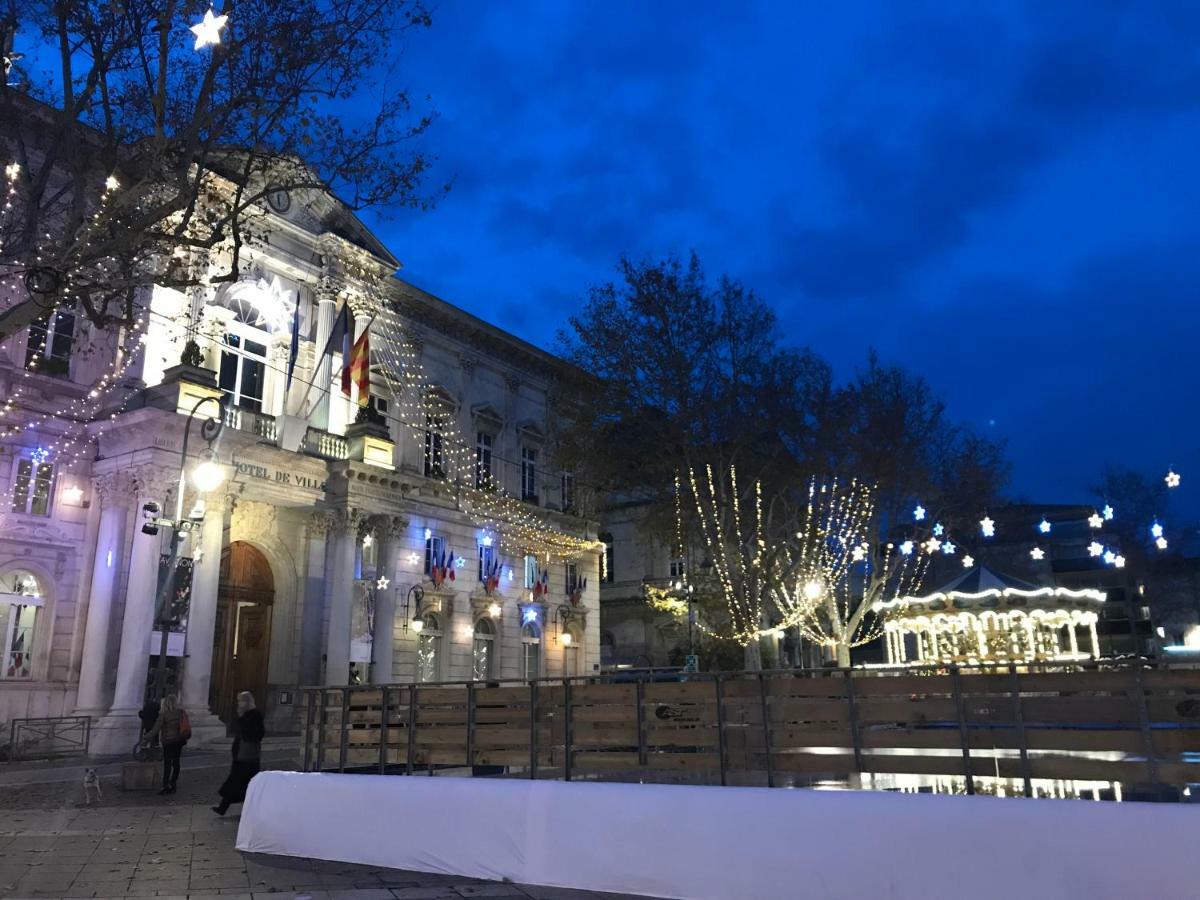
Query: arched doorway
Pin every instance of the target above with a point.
(242, 638)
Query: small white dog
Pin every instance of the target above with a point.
(91, 785)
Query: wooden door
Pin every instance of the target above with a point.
(250, 654)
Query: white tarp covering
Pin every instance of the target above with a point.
(713, 843)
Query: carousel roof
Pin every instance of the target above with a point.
(983, 587)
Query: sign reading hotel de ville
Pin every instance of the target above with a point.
(259, 472)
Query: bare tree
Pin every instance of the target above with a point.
(136, 137)
(838, 564)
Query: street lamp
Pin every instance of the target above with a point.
(207, 476)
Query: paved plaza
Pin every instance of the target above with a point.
(143, 845)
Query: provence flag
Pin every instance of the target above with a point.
(358, 369)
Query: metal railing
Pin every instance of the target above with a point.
(48, 738)
(1132, 725)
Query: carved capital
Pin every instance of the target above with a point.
(468, 363)
(117, 489)
(154, 483)
(387, 528)
(512, 382)
(319, 524)
(345, 520)
(254, 518)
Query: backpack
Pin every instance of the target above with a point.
(185, 726)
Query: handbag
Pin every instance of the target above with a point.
(185, 726)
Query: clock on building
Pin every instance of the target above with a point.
(279, 198)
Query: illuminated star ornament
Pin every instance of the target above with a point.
(1156, 530)
(413, 559)
(907, 548)
(1161, 543)
(939, 529)
(1044, 526)
(968, 561)
(948, 548)
(382, 583)
(1119, 562)
(1110, 557)
(933, 545)
(1037, 553)
(368, 540)
(987, 526)
(858, 554)
(1172, 478)
(208, 30)
(1095, 548)
(1108, 513)
(919, 513)
(1095, 520)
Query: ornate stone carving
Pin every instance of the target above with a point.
(387, 528)
(155, 483)
(344, 520)
(512, 382)
(468, 363)
(319, 523)
(30, 530)
(254, 518)
(117, 489)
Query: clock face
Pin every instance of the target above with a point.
(280, 200)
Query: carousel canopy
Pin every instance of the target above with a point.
(982, 587)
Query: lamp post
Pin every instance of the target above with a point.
(206, 477)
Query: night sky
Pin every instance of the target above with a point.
(1005, 201)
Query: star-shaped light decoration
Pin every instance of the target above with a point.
(530, 614)
(486, 540)
(111, 183)
(1095, 548)
(919, 513)
(987, 526)
(1119, 562)
(1044, 526)
(907, 548)
(1172, 478)
(1156, 530)
(1110, 557)
(858, 554)
(413, 559)
(459, 562)
(208, 30)
(1037, 553)
(948, 548)
(428, 533)
(939, 529)
(1161, 543)
(1108, 512)
(40, 455)
(509, 575)
(382, 583)
(12, 170)
(368, 540)
(968, 561)
(933, 545)
(1095, 520)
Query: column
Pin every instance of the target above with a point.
(343, 542)
(114, 493)
(388, 530)
(312, 619)
(326, 308)
(202, 613)
(1072, 637)
(141, 601)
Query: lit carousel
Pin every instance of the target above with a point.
(982, 618)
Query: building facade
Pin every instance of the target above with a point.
(431, 540)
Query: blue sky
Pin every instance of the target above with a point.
(1000, 196)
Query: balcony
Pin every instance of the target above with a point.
(325, 445)
(258, 424)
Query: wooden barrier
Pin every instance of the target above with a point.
(1133, 726)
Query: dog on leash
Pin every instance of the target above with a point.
(91, 785)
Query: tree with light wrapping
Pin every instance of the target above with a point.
(837, 566)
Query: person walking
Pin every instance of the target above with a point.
(173, 730)
(247, 753)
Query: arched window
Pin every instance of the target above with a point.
(429, 648)
(20, 602)
(483, 652)
(531, 652)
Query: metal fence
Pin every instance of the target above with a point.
(1135, 725)
(47, 738)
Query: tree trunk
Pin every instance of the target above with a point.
(843, 655)
(753, 656)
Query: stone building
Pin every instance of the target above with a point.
(315, 560)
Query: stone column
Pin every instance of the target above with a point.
(141, 601)
(312, 619)
(326, 309)
(388, 530)
(343, 543)
(202, 613)
(115, 493)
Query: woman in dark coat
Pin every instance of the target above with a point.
(247, 752)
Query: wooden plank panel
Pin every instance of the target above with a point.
(1179, 773)
(499, 696)
(1076, 682)
(607, 739)
(1172, 680)
(501, 715)
(786, 738)
(690, 762)
(587, 694)
(810, 711)
(1074, 710)
(1076, 769)
(903, 685)
(926, 710)
(441, 696)
(605, 761)
(824, 763)
(1180, 709)
(822, 686)
(681, 692)
(366, 698)
(617, 715)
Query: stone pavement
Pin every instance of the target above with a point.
(139, 845)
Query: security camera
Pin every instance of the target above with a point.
(151, 509)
